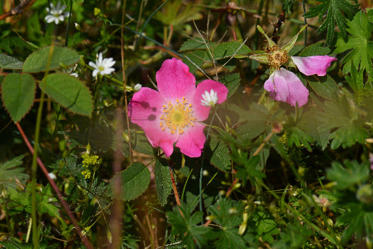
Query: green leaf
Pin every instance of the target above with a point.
(192, 44)
(299, 138)
(333, 12)
(220, 157)
(325, 87)
(9, 172)
(350, 174)
(50, 58)
(359, 45)
(232, 81)
(135, 180)
(176, 13)
(18, 92)
(68, 92)
(341, 118)
(315, 49)
(228, 215)
(162, 181)
(8, 62)
(256, 121)
(185, 224)
(230, 49)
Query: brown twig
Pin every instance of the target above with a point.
(276, 28)
(124, 78)
(117, 211)
(64, 204)
(18, 9)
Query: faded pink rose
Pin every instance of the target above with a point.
(175, 112)
(285, 86)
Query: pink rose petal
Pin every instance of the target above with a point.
(285, 86)
(174, 80)
(313, 64)
(202, 112)
(192, 141)
(145, 110)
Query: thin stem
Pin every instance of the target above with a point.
(64, 204)
(117, 211)
(35, 232)
(68, 24)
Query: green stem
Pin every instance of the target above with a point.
(35, 232)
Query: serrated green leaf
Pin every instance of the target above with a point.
(9, 172)
(256, 121)
(359, 44)
(315, 49)
(349, 174)
(220, 157)
(326, 87)
(192, 44)
(299, 138)
(8, 62)
(163, 182)
(229, 49)
(49, 58)
(68, 92)
(340, 117)
(135, 180)
(198, 57)
(334, 11)
(18, 93)
(232, 81)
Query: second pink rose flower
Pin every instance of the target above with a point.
(284, 85)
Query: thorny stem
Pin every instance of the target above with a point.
(35, 233)
(176, 194)
(64, 204)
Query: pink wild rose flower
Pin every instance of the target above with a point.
(284, 85)
(175, 112)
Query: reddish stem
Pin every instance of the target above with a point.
(84, 239)
(176, 194)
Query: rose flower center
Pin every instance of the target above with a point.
(277, 57)
(177, 116)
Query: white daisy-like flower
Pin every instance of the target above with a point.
(137, 87)
(55, 13)
(209, 98)
(102, 66)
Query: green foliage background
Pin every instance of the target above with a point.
(270, 176)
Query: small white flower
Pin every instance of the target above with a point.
(102, 66)
(52, 176)
(209, 98)
(137, 87)
(55, 13)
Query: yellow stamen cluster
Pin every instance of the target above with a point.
(277, 57)
(177, 116)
